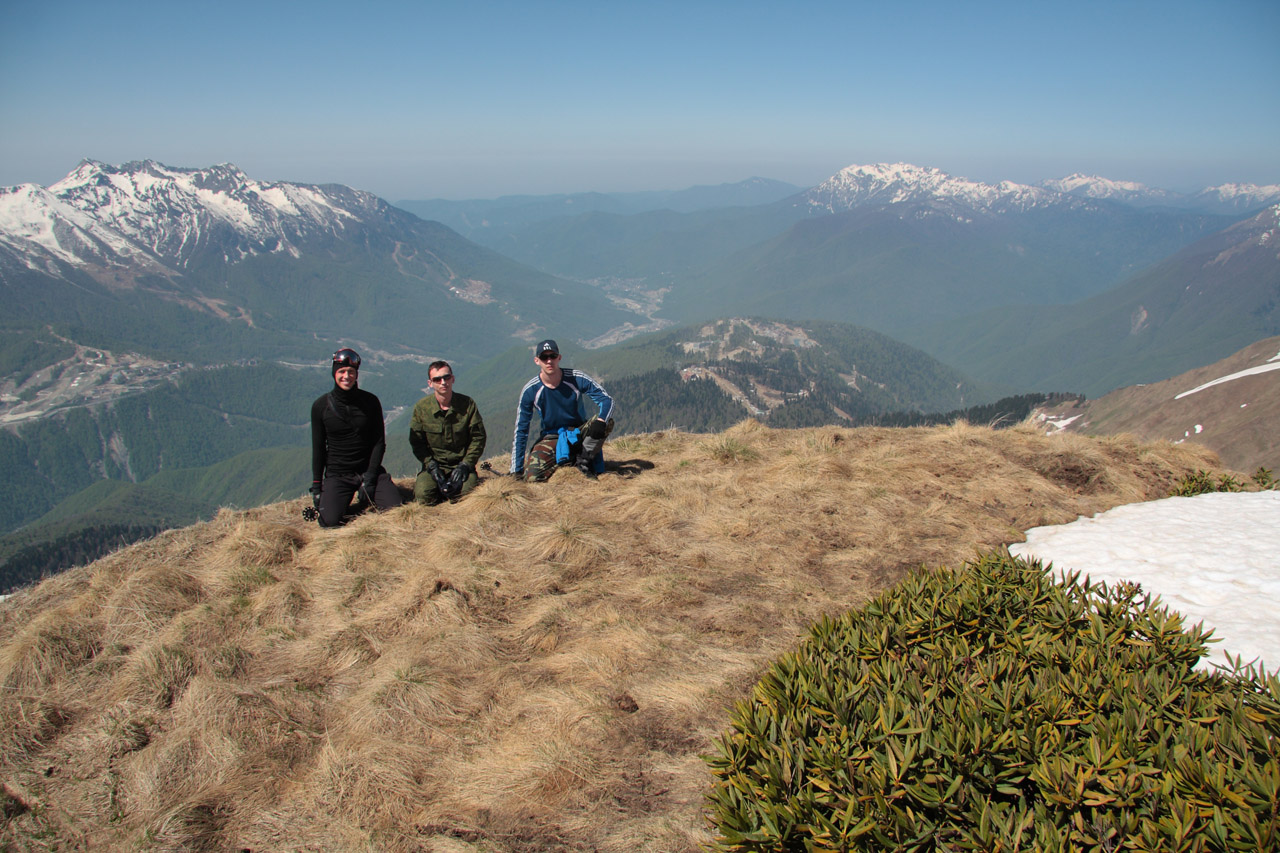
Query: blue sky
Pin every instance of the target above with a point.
(415, 100)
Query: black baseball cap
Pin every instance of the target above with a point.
(547, 346)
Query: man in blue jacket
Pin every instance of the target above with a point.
(566, 435)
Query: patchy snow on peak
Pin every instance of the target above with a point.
(1237, 198)
(1092, 185)
(175, 212)
(38, 226)
(1250, 191)
(898, 183)
(1096, 187)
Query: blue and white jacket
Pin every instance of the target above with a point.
(559, 407)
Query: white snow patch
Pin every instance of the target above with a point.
(1057, 424)
(1212, 558)
(1251, 371)
(29, 212)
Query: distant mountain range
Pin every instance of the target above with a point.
(1225, 199)
(854, 186)
(211, 266)
(907, 250)
(900, 248)
(905, 184)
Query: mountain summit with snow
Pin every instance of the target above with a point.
(174, 212)
(1095, 187)
(1237, 198)
(1225, 199)
(117, 222)
(903, 183)
(906, 184)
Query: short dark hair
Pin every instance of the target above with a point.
(436, 365)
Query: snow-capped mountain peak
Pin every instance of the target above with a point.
(1094, 186)
(1224, 199)
(1238, 197)
(898, 183)
(175, 212)
(145, 216)
(40, 228)
(935, 190)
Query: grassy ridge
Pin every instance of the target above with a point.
(538, 667)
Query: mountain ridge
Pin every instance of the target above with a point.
(903, 183)
(1225, 198)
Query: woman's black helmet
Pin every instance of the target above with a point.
(345, 357)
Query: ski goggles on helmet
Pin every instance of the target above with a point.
(346, 358)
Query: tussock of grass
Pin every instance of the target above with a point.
(537, 667)
(147, 600)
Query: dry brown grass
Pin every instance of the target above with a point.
(537, 667)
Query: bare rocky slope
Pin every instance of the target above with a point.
(538, 667)
(1231, 407)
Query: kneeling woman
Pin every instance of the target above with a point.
(348, 438)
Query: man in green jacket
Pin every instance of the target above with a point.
(447, 435)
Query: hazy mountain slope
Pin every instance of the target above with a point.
(109, 514)
(1207, 301)
(1231, 406)
(539, 667)
(490, 222)
(656, 245)
(902, 267)
(103, 517)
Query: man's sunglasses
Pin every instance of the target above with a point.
(549, 356)
(444, 377)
